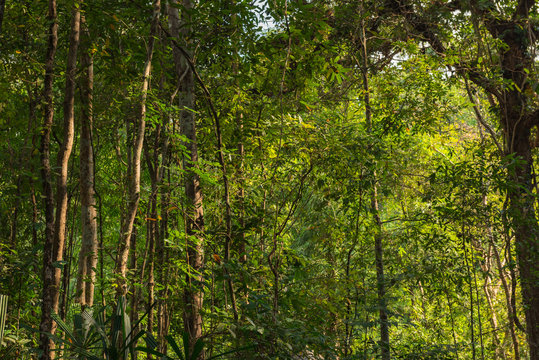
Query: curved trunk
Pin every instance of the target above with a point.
(135, 162)
(55, 236)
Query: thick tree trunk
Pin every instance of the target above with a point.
(135, 160)
(517, 120)
(88, 254)
(526, 233)
(193, 295)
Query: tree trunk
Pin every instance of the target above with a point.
(152, 223)
(242, 255)
(55, 237)
(193, 295)
(134, 160)
(133, 267)
(517, 122)
(526, 232)
(88, 254)
(378, 237)
(47, 325)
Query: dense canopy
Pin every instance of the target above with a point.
(281, 179)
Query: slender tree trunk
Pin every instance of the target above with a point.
(133, 267)
(162, 259)
(68, 255)
(47, 325)
(155, 245)
(242, 255)
(88, 254)
(152, 235)
(55, 238)
(162, 251)
(378, 235)
(64, 154)
(193, 295)
(62, 162)
(135, 159)
(526, 233)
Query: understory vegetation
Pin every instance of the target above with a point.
(283, 179)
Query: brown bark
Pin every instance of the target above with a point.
(55, 236)
(193, 295)
(134, 164)
(65, 150)
(517, 120)
(88, 254)
(47, 325)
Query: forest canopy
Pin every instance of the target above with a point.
(281, 179)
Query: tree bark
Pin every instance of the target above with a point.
(89, 248)
(193, 294)
(47, 325)
(518, 116)
(55, 237)
(135, 160)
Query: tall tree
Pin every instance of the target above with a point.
(193, 294)
(134, 160)
(378, 231)
(88, 254)
(54, 245)
(47, 325)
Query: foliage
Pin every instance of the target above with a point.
(291, 83)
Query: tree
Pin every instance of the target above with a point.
(134, 159)
(194, 217)
(89, 247)
(509, 78)
(55, 239)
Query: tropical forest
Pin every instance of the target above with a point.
(269, 179)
